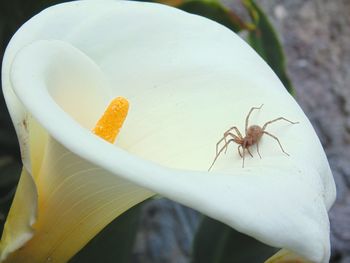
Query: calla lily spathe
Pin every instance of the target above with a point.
(188, 79)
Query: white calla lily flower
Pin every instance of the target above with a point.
(188, 79)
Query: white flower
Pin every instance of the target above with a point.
(188, 79)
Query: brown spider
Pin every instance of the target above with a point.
(252, 136)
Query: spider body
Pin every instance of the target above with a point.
(252, 137)
(254, 133)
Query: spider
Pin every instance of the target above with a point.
(253, 135)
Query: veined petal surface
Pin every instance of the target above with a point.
(188, 80)
(75, 201)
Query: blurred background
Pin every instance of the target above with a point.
(315, 36)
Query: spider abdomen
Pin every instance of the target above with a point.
(253, 135)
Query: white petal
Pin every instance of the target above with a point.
(206, 79)
(285, 256)
(64, 204)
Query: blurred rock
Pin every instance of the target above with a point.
(316, 37)
(166, 233)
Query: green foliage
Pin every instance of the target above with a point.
(114, 243)
(214, 11)
(265, 41)
(218, 243)
(9, 176)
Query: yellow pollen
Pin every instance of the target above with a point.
(109, 124)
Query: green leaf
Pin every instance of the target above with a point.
(9, 175)
(10, 171)
(214, 11)
(115, 242)
(264, 40)
(218, 243)
(210, 9)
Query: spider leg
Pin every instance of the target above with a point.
(278, 119)
(218, 153)
(226, 134)
(232, 135)
(236, 130)
(243, 157)
(273, 136)
(249, 152)
(218, 143)
(247, 118)
(239, 151)
(257, 149)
